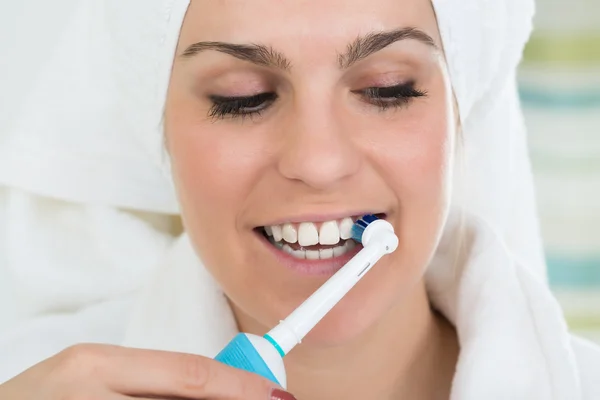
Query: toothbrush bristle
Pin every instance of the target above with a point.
(359, 226)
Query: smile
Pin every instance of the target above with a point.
(313, 240)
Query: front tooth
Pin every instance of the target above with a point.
(350, 245)
(325, 254)
(277, 234)
(346, 228)
(330, 233)
(308, 235)
(301, 254)
(289, 233)
(312, 254)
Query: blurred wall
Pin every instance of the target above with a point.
(560, 90)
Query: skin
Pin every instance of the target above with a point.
(306, 154)
(321, 148)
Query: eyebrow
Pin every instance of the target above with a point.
(255, 53)
(359, 49)
(364, 46)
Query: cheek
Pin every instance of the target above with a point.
(214, 171)
(414, 154)
(416, 162)
(420, 160)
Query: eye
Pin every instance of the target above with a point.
(240, 105)
(391, 96)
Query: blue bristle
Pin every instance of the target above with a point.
(359, 226)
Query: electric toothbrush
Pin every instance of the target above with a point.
(264, 355)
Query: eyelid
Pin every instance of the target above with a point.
(223, 99)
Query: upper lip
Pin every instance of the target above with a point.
(316, 217)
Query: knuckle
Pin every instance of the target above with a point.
(81, 359)
(238, 384)
(196, 372)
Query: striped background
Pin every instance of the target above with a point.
(560, 91)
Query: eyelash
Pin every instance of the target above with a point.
(392, 96)
(240, 106)
(382, 97)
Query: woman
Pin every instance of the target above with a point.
(283, 120)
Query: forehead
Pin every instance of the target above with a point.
(302, 25)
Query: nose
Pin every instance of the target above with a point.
(318, 148)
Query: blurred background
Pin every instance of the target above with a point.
(560, 91)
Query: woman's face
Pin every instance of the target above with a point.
(288, 117)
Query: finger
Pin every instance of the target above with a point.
(174, 375)
(116, 396)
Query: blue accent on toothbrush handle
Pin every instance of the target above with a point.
(240, 353)
(276, 345)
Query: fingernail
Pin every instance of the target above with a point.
(278, 394)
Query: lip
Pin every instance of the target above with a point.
(309, 267)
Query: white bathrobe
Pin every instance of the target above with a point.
(83, 146)
(514, 343)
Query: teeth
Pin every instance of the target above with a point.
(289, 233)
(339, 251)
(312, 254)
(330, 234)
(324, 254)
(346, 228)
(308, 235)
(277, 233)
(301, 254)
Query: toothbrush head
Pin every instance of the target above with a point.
(371, 230)
(358, 229)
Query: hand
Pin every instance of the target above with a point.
(101, 372)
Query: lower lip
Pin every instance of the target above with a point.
(310, 267)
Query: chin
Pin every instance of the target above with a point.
(343, 325)
(362, 310)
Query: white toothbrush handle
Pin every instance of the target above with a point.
(292, 330)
